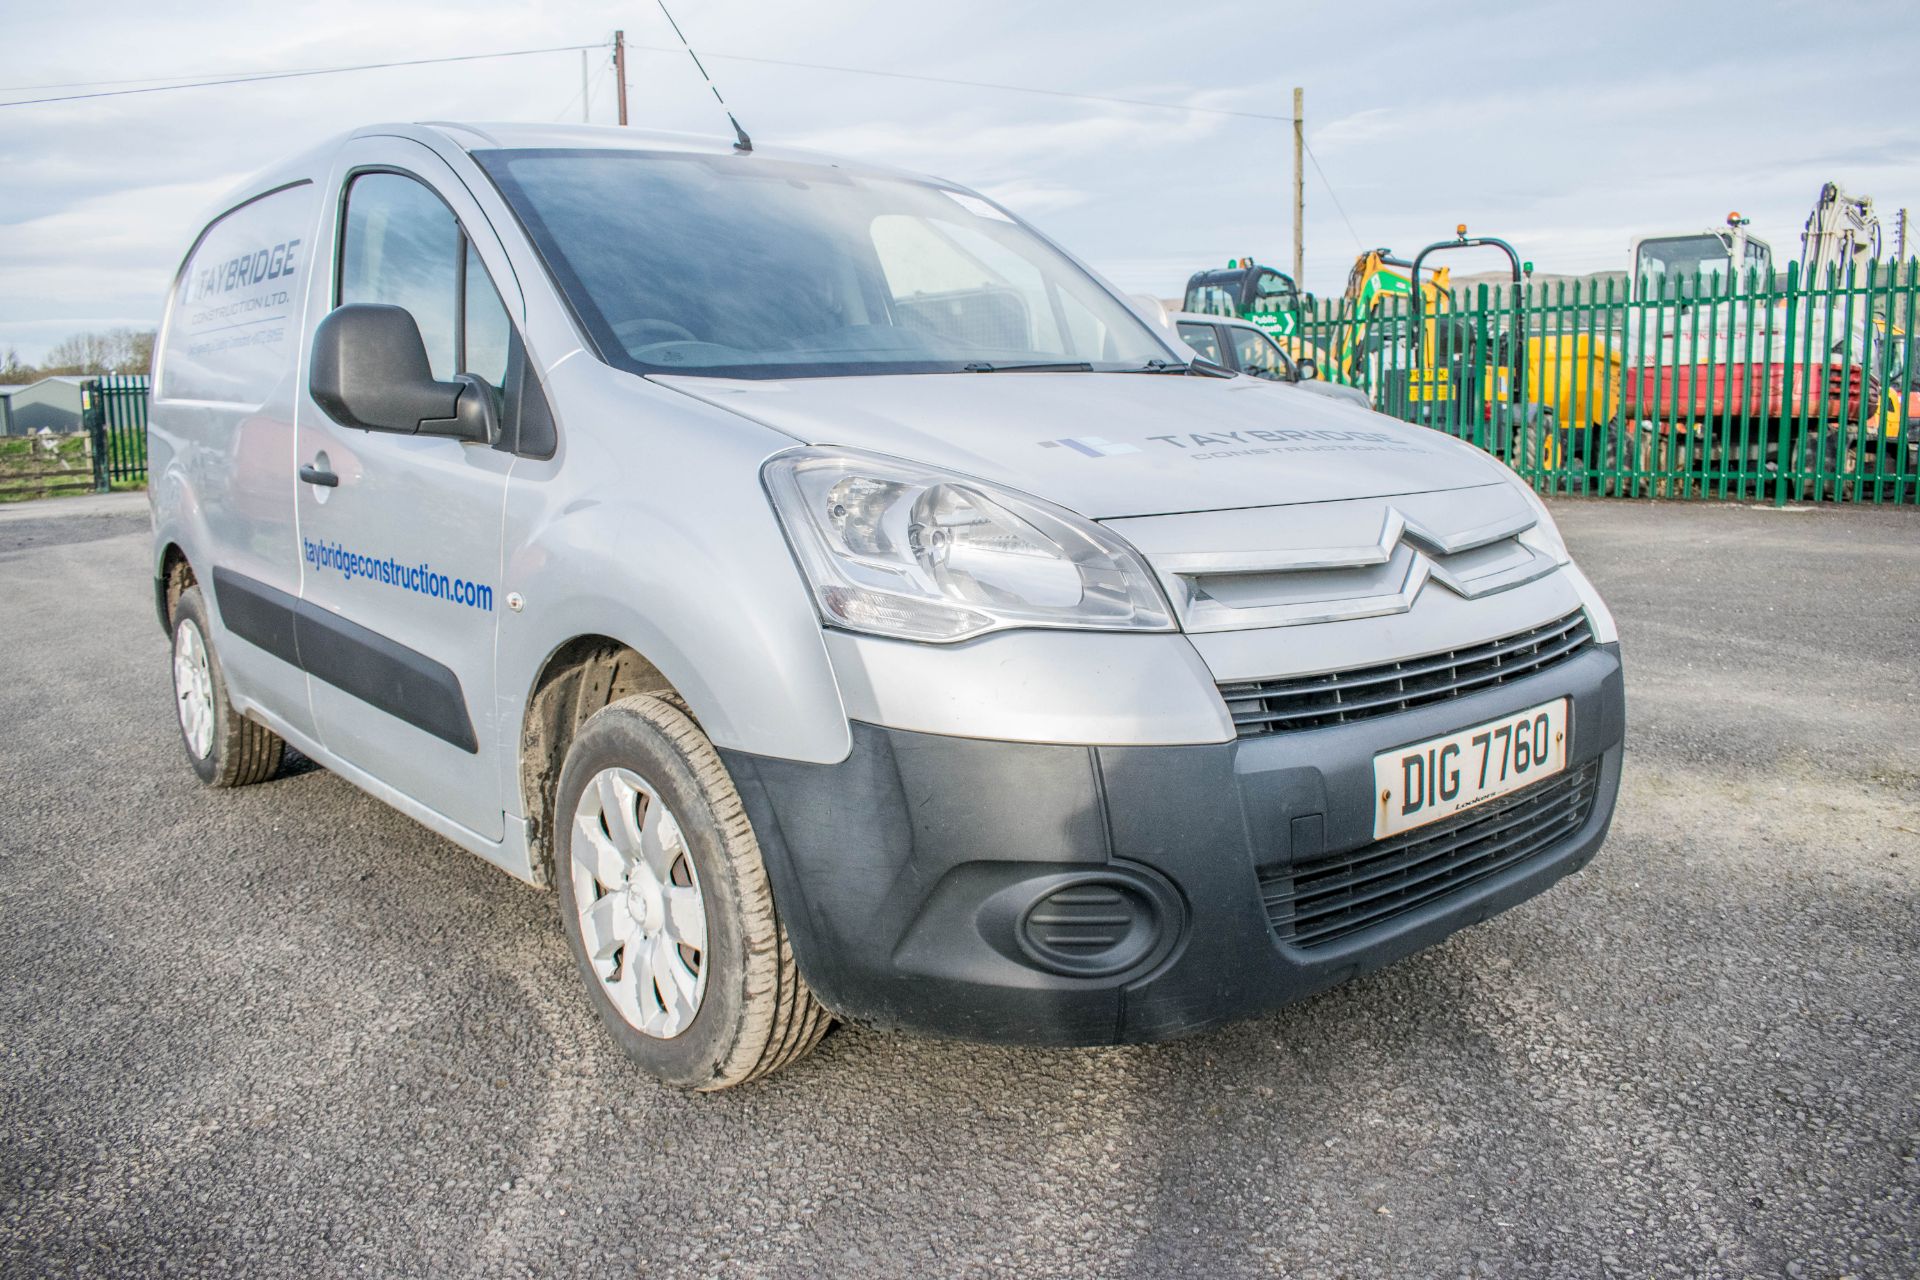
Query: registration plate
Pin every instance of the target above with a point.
(1424, 782)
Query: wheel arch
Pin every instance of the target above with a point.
(578, 677)
(172, 574)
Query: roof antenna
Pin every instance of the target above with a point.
(741, 142)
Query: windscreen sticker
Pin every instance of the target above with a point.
(976, 206)
(1092, 446)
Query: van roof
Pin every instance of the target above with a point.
(480, 136)
(471, 136)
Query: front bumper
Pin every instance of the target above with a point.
(951, 885)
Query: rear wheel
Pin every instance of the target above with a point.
(666, 905)
(225, 748)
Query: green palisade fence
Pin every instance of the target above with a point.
(116, 413)
(1762, 388)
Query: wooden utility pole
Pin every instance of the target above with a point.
(1900, 236)
(620, 72)
(1299, 185)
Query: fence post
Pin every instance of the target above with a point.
(93, 414)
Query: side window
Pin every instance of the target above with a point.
(402, 246)
(1201, 338)
(1259, 356)
(234, 324)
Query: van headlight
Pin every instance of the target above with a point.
(911, 552)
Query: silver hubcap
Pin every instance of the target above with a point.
(642, 916)
(193, 689)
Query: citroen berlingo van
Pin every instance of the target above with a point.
(844, 600)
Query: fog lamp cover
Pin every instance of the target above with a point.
(1090, 927)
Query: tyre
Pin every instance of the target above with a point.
(1609, 452)
(1528, 440)
(666, 905)
(225, 748)
(1824, 452)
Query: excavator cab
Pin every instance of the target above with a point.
(1245, 290)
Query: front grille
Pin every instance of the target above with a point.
(1322, 901)
(1290, 703)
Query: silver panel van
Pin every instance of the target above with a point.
(845, 601)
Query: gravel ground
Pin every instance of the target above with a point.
(286, 1031)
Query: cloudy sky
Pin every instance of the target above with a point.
(1565, 128)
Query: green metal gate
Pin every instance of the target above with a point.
(115, 409)
(1758, 388)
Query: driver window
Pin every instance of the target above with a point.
(403, 247)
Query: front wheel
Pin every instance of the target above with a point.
(666, 905)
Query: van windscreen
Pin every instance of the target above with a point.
(748, 267)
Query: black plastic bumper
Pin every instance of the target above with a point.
(908, 874)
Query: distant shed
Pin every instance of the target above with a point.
(53, 403)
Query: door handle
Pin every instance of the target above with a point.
(320, 476)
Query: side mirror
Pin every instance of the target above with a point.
(370, 370)
(1309, 368)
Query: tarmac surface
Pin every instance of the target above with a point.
(285, 1031)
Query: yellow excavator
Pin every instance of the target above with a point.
(1376, 277)
(1567, 376)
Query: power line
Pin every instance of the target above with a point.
(294, 75)
(246, 76)
(593, 87)
(1021, 88)
(1357, 242)
(719, 57)
(977, 84)
(95, 84)
(1050, 93)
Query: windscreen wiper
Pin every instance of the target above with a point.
(1038, 366)
(1201, 367)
